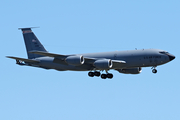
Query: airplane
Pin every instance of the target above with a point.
(127, 62)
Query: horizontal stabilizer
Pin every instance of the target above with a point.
(23, 59)
(27, 28)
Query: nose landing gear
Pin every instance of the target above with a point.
(154, 69)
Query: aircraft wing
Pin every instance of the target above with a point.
(23, 59)
(62, 57)
(48, 54)
(59, 56)
(92, 60)
(118, 62)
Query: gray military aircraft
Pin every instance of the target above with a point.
(128, 62)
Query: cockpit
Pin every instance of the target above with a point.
(171, 57)
(164, 52)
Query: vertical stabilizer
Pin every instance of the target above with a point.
(32, 43)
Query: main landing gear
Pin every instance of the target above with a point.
(108, 75)
(92, 74)
(154, 69)
(103, 76)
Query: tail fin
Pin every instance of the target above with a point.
(32, 43)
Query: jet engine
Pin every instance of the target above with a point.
(130, 70)
(75, 60)
(103, 64)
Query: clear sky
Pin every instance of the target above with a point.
(75, 26)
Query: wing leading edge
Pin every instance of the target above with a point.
(48, 54)
(63, 57)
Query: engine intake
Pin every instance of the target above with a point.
(130, 70)
(103, 64)
(75, 60)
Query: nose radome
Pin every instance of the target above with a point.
(171, 57)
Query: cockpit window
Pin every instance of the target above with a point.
(164, 52)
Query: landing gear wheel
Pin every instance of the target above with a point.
(103, 76)
(97, 73)
(109, 75)
(91, 74)
(154, 71)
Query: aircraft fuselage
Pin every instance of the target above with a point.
(133, 58)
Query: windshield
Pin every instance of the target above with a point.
(164, 52)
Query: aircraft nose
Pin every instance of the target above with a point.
(171, 57)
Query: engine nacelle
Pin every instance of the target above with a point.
(130, 70)
(75, 60)
(103, 64)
